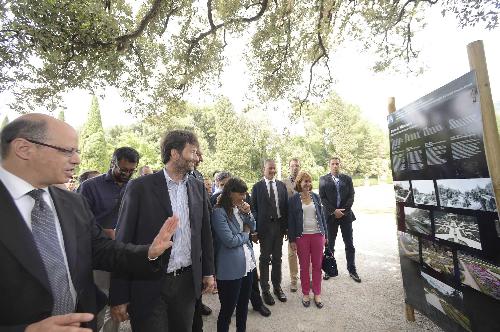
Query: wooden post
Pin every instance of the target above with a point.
(409, 310)
(477, 62)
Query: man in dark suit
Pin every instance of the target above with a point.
(269, 208)
(166, 301)
(49, 241)
(337, 195)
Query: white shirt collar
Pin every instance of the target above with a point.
(169, 179)
(16, 186)
(267, 181)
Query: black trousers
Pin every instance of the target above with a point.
(174, 310)
(197, 318)
(255, 297)
(271, 242)
(234, 294)
(346, 229)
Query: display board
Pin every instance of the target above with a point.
(448, 224)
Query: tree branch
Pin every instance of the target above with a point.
(123, 41)
(323, 54)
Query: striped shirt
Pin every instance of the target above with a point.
(181, 249)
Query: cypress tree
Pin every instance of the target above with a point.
(4, 122)
(93, 142)
(60, 116)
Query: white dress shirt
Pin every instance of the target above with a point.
(19, 189)
(249, 262)
(180, 255)
(275, 189)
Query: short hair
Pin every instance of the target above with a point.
(293, 159)
(333, 158)
(222, 176)
(233, 185)
(22, 128)
(177, 140)
(86, 175)
(300, 177)
(127, 153)
(267, 161)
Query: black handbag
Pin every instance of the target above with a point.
(329, 264)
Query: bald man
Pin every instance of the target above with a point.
(49, 241)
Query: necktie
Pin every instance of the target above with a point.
(44, 231)
(272, 197)
(337, 186)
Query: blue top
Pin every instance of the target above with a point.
(103, 195)
(229, 240)
(296, 216)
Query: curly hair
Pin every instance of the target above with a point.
(299, 178)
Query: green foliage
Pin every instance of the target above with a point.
(4, 122)
(157, 52)
(337, 129)
(94, 154)
(60, 116)
(240, 142)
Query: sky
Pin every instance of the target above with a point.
(443, 54)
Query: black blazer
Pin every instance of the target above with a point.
(261, 204)
(145, 206)
(328, 194)
(24, 287)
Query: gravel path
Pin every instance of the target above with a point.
(377, 304)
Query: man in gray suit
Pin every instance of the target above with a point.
(166, 301)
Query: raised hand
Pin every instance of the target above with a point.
(163, 241)
(69, 322)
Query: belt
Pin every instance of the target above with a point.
(179, 271)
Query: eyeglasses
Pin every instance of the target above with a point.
(66, 152)
(126, 171)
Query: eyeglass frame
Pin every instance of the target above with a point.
(67, 152)
(128, 171)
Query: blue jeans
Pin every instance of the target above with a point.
(234, 294)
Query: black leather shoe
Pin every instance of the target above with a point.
(319, 305)
(205, 310)
(354, 276)
(280, 294)
(268, 298)
(306, 303)
(264, 311)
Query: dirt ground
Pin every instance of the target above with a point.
(376, 304)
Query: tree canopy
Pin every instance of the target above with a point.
(156, 52)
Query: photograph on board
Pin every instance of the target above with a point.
(473, 194)
(418, 220)
(408, 246)
(445, 299)
(402, 191)
(424, 192)
(438, 257)
(457, 228)
(480, 275)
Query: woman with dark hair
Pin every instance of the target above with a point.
(307, 235)
(232, 223)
